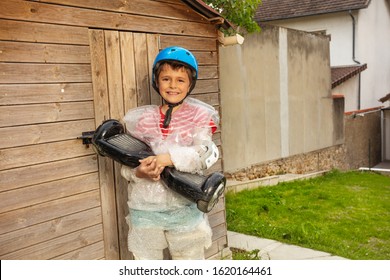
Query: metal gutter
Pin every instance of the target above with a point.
(353, 55)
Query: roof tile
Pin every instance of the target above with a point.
(283, 9)
(340, 74)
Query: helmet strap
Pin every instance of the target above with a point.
(168, 114)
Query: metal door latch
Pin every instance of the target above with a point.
(86, 136)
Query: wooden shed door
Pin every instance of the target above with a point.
(121, 65)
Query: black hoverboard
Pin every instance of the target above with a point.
(110, 140)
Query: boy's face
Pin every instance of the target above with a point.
(173, 85)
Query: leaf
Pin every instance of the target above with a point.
(240, 13)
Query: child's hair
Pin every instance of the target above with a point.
(175, 66)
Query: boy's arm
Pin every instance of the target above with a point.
(149, 168)
(194, 159)
(164, 160)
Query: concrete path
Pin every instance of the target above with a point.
(274, 250)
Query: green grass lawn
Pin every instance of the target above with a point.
(345, 214)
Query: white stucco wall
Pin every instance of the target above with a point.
(275, 97)
(338, 26)
(349, 89)
(372, 45)
(373, 48)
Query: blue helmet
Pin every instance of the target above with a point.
(179, 54)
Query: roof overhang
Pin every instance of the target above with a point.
(340, 74)
(385, 98)
(209, 13)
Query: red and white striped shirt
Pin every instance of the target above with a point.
(183, 125)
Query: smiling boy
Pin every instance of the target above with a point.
(178, 132)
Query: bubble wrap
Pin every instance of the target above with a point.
(153, 207)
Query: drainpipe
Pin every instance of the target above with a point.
(383, 135)
(231, 40)
(353, 54)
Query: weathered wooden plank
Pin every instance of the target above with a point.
(142, 69)
(106, 166)
(220, 206)
(216, 248)
(48, 13)
(208, 72)
(222, 242)
(43, 133)
(218, 244)
(122, 212)
(25, 217)
(117, 111)
(16, 240)
(116, 98)
(218, 217)
(29, 196)
(175, 10)
(45, 113)
(42, 153)
(108, 201)
(217, 138)
(14, 30)
(23, 73)
(41, 173)
(191, 43)
(99, 75)
(43, 53)
(18, 94)
(59, 245)
(219, 231)
(216, 167)
(128, 71)
(210, 98)
(93, 251)
(114, 74)
(213, 250)
(207, 86)
(204, 49)
(153, 49)
(206, 58)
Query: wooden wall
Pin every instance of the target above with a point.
(54, 202)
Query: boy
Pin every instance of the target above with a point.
(180, 133)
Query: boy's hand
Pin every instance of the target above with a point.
(149, 169)
(164, 160)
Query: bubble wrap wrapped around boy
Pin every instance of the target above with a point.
(153, 207)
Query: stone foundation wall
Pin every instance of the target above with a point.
(361, 148)
(324, 159)
(363, 139)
